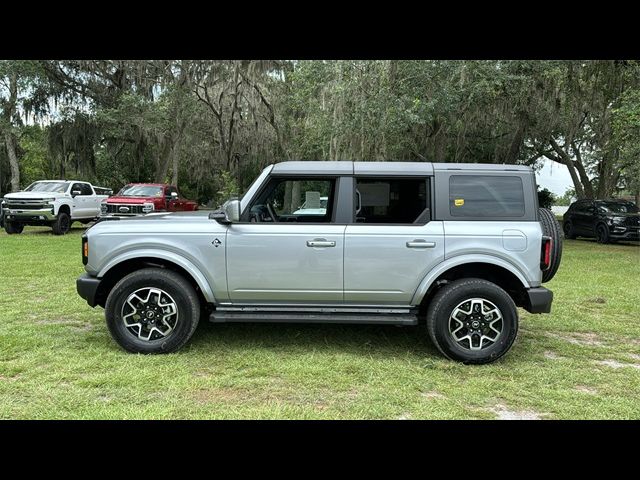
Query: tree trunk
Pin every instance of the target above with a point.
(174, 177)
(10, 139)
(564, 158)
(162, 165)
(10, 143)
(516, 143)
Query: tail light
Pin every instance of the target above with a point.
(545, 254)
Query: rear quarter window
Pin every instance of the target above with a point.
(486, 196)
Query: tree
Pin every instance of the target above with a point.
(19, 95)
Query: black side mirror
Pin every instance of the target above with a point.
(220, 216)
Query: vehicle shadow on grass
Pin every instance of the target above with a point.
(383, 340)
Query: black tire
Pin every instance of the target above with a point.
(567, 228)
(13, 228)
(455, 293)
(62, 224)
(602, 233)
(178, 290)
(551, 228)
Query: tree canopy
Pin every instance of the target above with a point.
(210, 126)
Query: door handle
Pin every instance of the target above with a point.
(320, 242)
(421, 244)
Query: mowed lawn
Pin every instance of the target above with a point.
(58, 361)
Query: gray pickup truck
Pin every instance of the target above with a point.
(455, 246)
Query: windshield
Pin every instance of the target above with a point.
(618, 207)
(141, 191)
(53, 187)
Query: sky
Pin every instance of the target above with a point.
(554, 177)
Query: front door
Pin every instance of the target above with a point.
(288, 251)
(84, 202)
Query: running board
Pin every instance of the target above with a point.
(224, 316)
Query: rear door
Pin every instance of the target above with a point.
(583, 217)
(393, 242)
(286, 252)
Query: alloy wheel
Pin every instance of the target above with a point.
(476, 323)
(150, 313)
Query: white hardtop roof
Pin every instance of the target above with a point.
(313, 167)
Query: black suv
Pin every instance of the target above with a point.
(606, 220)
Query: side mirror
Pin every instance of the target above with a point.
(229, 213)
(74, 193)
(174, 195)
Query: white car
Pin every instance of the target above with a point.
(54, 203)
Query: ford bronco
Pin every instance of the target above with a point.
(454, 246)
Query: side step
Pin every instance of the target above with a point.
(222, 316)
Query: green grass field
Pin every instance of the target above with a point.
(57, 359)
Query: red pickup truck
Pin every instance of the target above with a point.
(143, 198)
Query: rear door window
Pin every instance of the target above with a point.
(486, 196)
(392, 200)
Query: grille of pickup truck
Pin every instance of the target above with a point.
(23, 204)
(120, 209)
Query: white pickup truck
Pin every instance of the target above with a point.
(54, 203)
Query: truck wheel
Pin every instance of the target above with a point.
(62, 224)
(551, 228)
(13, 228)
(472, 321)
(152, 310)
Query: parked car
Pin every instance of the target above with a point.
(604, 220)
(54, 203)
(457, 247)
(137, 199)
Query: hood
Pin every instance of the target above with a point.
(625, 215)
(119, 199)
(34, 195)
(160, 222)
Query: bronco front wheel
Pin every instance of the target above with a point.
(152, 310)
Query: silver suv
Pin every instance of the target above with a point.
(455, 246)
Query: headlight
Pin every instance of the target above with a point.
(103, 208)
(148, 207)
(49, 200)
(618, 220)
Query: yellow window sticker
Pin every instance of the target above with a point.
(458, 202)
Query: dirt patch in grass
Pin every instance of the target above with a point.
(552, 355)
(597, 300)
(616, 364)
(578, 338)
(505, 413)
(432, 395)
(587, 390)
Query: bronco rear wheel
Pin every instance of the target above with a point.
(472, 320)
(152, 310)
